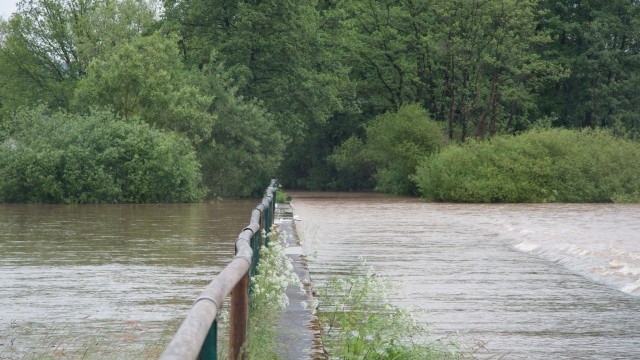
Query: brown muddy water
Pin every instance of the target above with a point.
(533, 281)
(108, 281)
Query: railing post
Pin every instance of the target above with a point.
(256, 242)
(209, 349)
(268, 218)
(239, 315)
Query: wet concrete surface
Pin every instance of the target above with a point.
(298, 329)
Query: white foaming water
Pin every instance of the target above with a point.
(603, 244)
(527, 246)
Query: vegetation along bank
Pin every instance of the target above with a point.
(491, 100)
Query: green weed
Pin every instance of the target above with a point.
(359, 322)
(275, 273)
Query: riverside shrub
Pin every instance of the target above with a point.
(98, 158)
(553, 165)
(395, 144)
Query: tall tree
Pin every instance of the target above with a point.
(245, 147)
(277, 53)
(475, 64)
(492, 67)
(599, 41)
(390, 42)
(47, 45)
(145, 78)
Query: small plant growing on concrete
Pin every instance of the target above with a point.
(359, 321)
(274, 275)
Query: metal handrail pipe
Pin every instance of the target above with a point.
(267, 201)
(256, 215)
(188, 341)
(192, 334)
(248, 231)
(243, 243)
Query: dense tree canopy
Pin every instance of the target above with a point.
(48, 45)
(307, 90)
(144, 78)
(395, 142)
(599, 42)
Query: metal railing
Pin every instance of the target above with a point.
(197, 336)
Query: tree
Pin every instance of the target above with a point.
(550, 165)
(390, 44)
(245, 147)
(278, 53)
(145, 79)
(491, 65)
(396, 142)
(599, 41)
(47, 45)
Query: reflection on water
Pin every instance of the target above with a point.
(532, 281)
(120, 276)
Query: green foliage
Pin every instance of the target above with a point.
(599, 42)
(145, 78)
(395, 144)
(359, 321)
(320, 71)
(272, 51)
(279, 54)
(281, 197)
(474, 64)
(490, 53)
(46, 46)
(66, 158)
(538, 166)
(244, 148)
(354, 168)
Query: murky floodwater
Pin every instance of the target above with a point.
(111, 281)
(550, 281)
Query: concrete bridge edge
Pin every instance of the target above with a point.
(298, 330)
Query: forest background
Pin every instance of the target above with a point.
(180, 100)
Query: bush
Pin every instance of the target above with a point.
(68, 158)
(395, 144)
(538, 166)
(354, 167)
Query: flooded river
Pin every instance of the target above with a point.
(530, 281)
(541, 281)
(109, 281)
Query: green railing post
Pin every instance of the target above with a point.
(268, 218)
(209, 349)
(255, 260)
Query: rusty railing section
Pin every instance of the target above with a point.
(197, 336)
